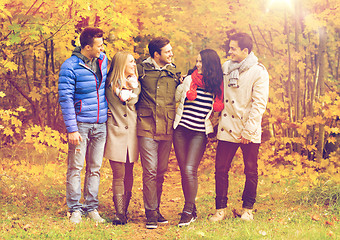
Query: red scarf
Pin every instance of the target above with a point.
(197, 81)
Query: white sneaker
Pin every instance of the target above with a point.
(94, 215)
(219, 215)
(75, 217)
(247, 215)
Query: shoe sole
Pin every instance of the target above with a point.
(187, 223)
(246, 220)
(151, 227)
(163, 222)
(75, 222)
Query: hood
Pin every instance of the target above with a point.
(77, 52)
(153, 63)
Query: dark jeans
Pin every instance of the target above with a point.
(224, 155)
(189, 148)
(154, 157)
(122, 180)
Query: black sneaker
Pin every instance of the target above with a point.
(151, 224)
(194, 214)
(161, 219)
(151, 219)
(186, 219)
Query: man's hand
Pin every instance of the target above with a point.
(74, 138)
(244, 140)
(181, 79)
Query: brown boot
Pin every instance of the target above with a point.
(120, 216)
(219, 215)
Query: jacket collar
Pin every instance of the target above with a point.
(153, 63)
(77, 52)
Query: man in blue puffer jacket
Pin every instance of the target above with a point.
(82, 99)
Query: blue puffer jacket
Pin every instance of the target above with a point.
(81, 93)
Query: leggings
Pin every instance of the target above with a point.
(189, 148)
(122, 176)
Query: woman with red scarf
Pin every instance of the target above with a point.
(199, 95)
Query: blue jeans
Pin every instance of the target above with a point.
(189, 147)
(154, 157)
(91, 149)
(225, 153)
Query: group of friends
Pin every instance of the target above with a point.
(141, 110)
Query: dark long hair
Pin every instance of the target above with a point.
(211, 71)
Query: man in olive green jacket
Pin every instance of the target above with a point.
(156, 112)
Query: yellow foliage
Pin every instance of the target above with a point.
(35, 95)
(8, 131)
(8, 65)
(43, 137)
(21, 109)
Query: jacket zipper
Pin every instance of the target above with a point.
(94, 74)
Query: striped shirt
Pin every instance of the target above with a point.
(195, 112)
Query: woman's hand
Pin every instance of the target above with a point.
(244, 140)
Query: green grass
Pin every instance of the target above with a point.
(33, 206)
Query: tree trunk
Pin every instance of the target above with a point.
(297, 74)
(47, 85)
(321, 81)
(289, 83)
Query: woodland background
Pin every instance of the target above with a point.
(297, 41)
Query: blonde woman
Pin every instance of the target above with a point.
(122, 90)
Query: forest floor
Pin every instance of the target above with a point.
(32, 189)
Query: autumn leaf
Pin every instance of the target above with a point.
(35, 95)
(316, 217)
(8, 131)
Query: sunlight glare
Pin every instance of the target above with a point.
(279, 4)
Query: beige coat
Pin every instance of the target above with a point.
(244, 106)
(121, 128)
(180, 97)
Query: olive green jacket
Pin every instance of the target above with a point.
(156, 105)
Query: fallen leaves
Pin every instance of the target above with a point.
(329, 223)
(316, 217)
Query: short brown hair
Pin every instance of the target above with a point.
(243, 40)
(87, 36)
(156, 45)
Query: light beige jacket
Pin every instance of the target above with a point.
(180, 96)
(121, 126)
(244, 106)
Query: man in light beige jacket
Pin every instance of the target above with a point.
(246, 87)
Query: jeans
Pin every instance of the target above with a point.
(154, 157)
(122, 181)
(90, 149)
(224, 155)
(189, 148)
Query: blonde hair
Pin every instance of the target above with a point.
(117, 68)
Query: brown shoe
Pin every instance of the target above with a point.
(219, 215)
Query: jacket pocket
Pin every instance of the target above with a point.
(78, 106)
(145, 119)
(112, 121)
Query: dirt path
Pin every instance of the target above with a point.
(171, 204)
